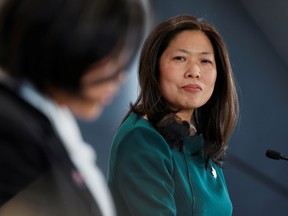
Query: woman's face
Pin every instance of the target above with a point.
(99, 85)
(188, 72)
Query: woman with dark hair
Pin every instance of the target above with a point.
(166, 157)
(59, 59)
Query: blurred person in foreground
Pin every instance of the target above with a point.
(59, 59)
(166, 157)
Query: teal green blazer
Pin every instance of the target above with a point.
(148, 178)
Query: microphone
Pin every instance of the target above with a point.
(275, 155)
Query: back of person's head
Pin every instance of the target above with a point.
(53, 42)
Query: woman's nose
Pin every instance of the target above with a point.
(193, 71)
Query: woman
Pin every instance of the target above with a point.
(166, 157)
(59, 59)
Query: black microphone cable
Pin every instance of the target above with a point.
(257, 175)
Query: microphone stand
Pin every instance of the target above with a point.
(257, 175)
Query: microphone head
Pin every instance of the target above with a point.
(272, 154)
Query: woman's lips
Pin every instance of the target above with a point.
(192, 88)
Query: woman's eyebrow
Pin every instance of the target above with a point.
(194, 51)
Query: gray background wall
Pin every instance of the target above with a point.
(256, 36)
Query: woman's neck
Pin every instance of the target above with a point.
(185, 115)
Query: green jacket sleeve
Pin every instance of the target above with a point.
(143, 173)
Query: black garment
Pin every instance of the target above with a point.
(35, 169)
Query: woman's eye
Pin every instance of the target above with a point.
(206, 61)
(179, 58)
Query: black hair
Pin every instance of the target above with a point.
(53, 42)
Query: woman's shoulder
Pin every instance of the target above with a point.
(137, 140)
(138, 132)
(136, 124)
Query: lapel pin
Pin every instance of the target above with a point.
(213, 172)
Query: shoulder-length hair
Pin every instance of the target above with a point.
(52, 43)
(217, 118)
